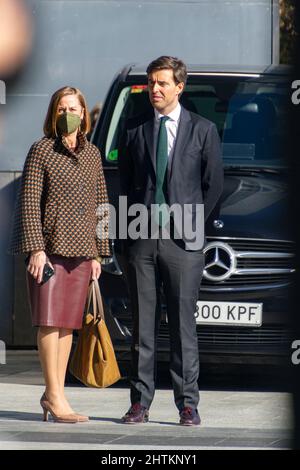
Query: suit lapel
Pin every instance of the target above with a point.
(182, 138)
(148, 130)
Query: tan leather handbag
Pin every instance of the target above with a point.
(94, 362)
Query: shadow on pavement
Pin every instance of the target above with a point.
(222, 378)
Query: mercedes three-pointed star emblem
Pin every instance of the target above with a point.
(220, 261)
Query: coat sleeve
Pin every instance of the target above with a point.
(27, 232)
(212, 170)
(103, 214)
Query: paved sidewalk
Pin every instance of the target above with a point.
(230, 419)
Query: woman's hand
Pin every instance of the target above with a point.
(36, 264)
(96, 270)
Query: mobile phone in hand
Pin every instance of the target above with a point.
(47, 272)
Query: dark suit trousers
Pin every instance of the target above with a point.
(150, 262)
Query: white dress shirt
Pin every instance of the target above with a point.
(171, 126)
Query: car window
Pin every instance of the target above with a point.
(250, 115)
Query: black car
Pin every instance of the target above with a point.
(242, 312)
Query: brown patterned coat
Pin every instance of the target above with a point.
(58, 204)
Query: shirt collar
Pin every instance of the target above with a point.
(174, 115)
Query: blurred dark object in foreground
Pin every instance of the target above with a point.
(15, 36)
(294, 152)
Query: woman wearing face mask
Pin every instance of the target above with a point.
(62, 201)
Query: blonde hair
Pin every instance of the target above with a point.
(51, 117)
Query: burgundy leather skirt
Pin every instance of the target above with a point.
(60, 301)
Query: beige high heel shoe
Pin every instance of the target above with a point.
(82, 418)
(67, 419)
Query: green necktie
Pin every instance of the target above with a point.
(161, 167)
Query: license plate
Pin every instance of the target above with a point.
(229, 313)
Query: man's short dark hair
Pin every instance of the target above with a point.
(168, 62)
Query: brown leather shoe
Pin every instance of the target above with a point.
(136, 414)
(189, 417)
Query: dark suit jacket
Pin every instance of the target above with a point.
(196, 172)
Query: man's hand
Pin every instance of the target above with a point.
(96, 270)
(36, 264)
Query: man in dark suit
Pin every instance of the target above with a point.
(171, 156)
